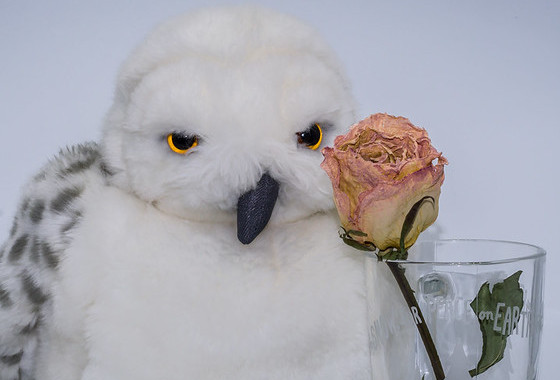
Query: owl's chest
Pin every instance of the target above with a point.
(166, 298)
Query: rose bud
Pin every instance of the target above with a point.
(379, 170)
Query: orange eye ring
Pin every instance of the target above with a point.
(180, 143)
(312, 137)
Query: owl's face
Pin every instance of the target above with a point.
(194, 133)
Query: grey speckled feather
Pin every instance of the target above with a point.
(32, 252)
(33, 292)
(36, 213)
(65, 198)
(18, 248)
(11, 359)
(5, 300)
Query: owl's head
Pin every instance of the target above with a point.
(223, 104)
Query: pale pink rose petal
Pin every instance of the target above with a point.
(379, 170)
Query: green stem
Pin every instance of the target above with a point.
(419, 320)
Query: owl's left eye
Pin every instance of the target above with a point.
(311, 137)
(181, 143)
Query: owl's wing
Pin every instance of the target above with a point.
(49, 211)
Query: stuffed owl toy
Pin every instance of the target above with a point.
(197, 239)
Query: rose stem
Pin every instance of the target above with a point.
(423, 330)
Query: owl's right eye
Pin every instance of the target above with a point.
(181, 143)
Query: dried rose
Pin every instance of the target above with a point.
(379, 171)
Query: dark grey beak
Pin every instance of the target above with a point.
(255, 207)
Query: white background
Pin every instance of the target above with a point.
(482, 76)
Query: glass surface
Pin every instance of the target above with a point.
(446, 277)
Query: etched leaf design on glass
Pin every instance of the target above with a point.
(498, 311)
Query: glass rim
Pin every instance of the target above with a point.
(538, 253)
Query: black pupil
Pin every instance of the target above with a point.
(182, 142)
(311, 136)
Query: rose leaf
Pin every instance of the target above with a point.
(356, 233)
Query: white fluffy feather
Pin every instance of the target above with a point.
(150, 281)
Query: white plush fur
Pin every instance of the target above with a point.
(245, 80)
(154, 283)
(157, 297)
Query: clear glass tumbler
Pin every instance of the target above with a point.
(482, 302)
